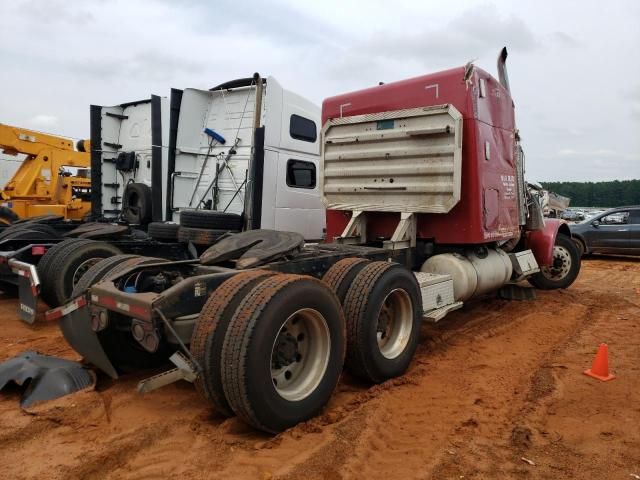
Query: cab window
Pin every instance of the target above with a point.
(303, 129)
(301, 174)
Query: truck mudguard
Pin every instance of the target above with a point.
(541, 242)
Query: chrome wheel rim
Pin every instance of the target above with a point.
(83, 267)
(395, 322)
(561, 264)
(300, 354)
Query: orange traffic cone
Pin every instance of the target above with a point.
(600, 367)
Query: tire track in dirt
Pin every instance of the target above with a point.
(491, 383)
(533, 434)
(578, 430)
(465, 393)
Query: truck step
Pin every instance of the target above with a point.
(439, 313)
(184, 371)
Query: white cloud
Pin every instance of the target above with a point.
(574, 91)
(43, 121)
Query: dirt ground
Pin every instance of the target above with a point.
(496, 391)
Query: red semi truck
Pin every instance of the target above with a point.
(427, 207)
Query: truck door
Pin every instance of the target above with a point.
(298, 206)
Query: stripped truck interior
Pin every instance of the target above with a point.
(262, 163)
(423, 181)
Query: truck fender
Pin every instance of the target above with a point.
(541, 242)
(78, 332)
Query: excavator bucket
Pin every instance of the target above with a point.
(45, 377)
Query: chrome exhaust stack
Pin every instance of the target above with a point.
(502, 69)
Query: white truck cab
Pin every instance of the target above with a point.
(199, 148)
(286, 154)
(129, 146)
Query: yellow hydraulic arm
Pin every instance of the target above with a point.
(42, 185)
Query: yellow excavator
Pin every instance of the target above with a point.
(53, 179)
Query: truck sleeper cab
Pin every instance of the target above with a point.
(264, 323)
(271, 145)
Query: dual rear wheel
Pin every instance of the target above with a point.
(272, 346)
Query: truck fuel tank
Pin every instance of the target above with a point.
(477, 272)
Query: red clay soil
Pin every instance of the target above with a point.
(496, 391)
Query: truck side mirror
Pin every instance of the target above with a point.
(596, 223)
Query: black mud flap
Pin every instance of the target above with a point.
(28, 289)
(512, 291)
(46, 377)
(28, 298)
(78, 332)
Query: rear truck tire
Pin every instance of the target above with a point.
(136, 204)
(107, 268)
(68, 266)
(45, 261)
(163, 231)
(97, 273)
(209, 334)
(199, 236)
(283, 352)
(210, 219)
(7, 216)
(341, 274)
(564, 269)
(383, 309)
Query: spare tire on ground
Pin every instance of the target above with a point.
(163, 231)
(136, 203)
(210, 219)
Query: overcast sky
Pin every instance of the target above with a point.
(573, 65)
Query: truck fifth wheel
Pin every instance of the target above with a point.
(427, 208)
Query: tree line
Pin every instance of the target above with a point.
(598, 194)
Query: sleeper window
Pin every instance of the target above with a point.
(301, 174)
(303, 129)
